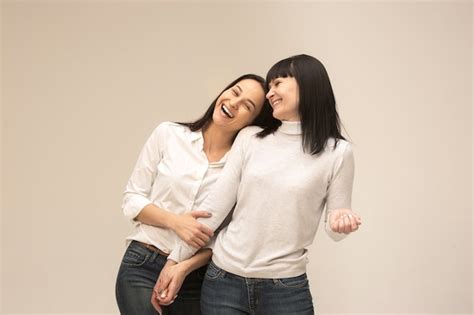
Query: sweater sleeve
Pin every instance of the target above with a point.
(139, 185)
(223, 195)
(339, 192)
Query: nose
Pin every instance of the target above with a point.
(233, 104)
(270, 94)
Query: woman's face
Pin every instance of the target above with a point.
(284, 97)
(239, 105)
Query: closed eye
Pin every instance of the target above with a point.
(274, 83)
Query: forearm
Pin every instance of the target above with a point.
(154, 215)
(201, 258)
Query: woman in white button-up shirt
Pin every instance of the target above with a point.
(174, 173)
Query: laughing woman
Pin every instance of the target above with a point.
(174, 173)
(280, 178)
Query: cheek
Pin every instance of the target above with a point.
(246, 117)
(214, 112)
(296, 101)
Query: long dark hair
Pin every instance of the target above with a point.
(264, 119)
(317, 105)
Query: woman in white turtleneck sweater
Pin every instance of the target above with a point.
(280, 180)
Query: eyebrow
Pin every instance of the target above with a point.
(248, 99)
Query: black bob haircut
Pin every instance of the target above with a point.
(317, 105)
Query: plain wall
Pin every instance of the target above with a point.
(1, 163)
(85, 82)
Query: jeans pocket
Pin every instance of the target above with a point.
(213, 272)
(293, 282)
(135, 256)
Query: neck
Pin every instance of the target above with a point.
(217, 140)
(290, 127)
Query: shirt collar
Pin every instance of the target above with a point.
(290, 127)
(196, 135)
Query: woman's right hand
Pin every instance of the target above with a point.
(190, 230)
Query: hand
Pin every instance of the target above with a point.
(344, 221)
(190, 230)
(169, 282)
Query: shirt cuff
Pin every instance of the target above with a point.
(181, 253)
(211, 243)
(134, 205)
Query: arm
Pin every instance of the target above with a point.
(340, 219)
(185, 225)
(138, 207)
(224, 192)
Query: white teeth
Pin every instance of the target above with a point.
(276, 102)
(227, 111)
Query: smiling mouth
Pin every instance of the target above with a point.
(226, 111)
(276, 102)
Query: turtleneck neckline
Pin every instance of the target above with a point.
(290, 127)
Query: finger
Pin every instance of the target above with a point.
(163, 285)
(334, 225)
(207, 230)
(340, 225)
(155, 303)
(357, 217)
(353, 222)
(163, 294)
(168, 299)
(204, 238)
(173, 289)
(344, 224)
(347, 224)
(201, 214)
(357, 222)
(194, 244)
(165, 299)
(167, 303)
(159, 287)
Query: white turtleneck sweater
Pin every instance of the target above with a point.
(279, 193)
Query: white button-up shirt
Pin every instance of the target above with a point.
(172, 172)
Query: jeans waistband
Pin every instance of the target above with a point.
(152, 248)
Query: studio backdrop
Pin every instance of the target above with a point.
(84, 83)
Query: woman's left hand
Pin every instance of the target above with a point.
(344, 221)
(169, 282)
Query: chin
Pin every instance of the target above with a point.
(276, 116)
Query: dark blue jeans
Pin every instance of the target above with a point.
(136, 279)
(224, 293)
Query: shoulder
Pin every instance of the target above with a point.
(168, 128)
(340, 148)
(249, 132)
(245, 136)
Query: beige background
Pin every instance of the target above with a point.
(85, 82)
